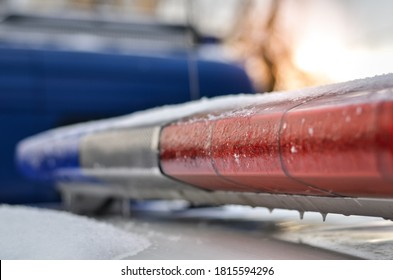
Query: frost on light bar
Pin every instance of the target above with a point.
(327, 149)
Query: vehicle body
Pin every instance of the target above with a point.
(59, 71)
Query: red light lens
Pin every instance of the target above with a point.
(329, 145)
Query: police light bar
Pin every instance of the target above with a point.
(327, 149)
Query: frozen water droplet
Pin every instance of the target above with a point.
(324, 216)
(284, 126)
(311, 131)
(236, 156)
(293, 150)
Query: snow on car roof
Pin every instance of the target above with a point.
(32, 233)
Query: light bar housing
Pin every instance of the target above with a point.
(326, 149)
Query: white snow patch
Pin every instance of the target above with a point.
(31, 233)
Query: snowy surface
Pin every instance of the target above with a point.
(175, 232)
(31, 233)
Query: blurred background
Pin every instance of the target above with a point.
(69, 61)
(284, 44)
